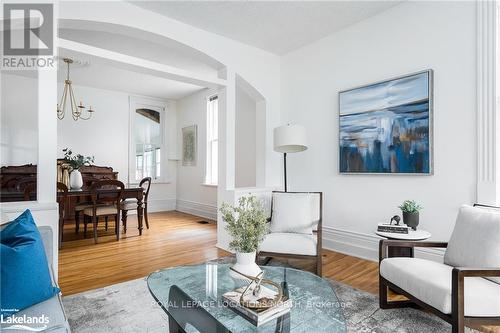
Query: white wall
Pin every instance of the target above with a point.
(246, 116)
(192, 195)
(45, 211)
(409, 37)
(106, 136)
(20, 145)
(19, 120)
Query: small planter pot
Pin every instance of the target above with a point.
(411, 219)
(245, 263)
(75, 180)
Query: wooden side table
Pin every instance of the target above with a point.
(414, 235)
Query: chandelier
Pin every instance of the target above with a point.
(77, 110)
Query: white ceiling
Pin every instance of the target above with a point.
(139, 44)
(275, 26)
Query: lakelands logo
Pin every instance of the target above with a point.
(24, 323)
(28, 35)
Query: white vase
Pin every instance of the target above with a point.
(245, 263)
(75, 180)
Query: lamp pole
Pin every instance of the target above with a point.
(284, 169)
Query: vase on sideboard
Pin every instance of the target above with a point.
(75, 180)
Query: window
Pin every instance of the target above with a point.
(212, 169)
(139, 166)
(147, 138)
(158, 164)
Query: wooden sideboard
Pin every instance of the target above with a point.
(15, 178)
(13, 181)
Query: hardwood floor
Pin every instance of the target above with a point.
(175, 239)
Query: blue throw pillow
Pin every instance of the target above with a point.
(25, 276)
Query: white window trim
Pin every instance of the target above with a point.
(207, 179)
(136, 102)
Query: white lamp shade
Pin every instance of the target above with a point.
(290, 139)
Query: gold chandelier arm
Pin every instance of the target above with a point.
(62, 105)
(64, 99)
(86, 118)
(76, 110)
(74, 107)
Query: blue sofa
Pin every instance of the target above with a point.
(53, 307)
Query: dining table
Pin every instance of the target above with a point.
(128, 192)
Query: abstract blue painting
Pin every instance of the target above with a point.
(386, 127)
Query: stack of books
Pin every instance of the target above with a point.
(257, 316)
(397, 229)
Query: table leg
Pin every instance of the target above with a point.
(173, 327)
(140, 211)
(61, 224)
(124, 220)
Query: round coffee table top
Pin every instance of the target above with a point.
(418, 234)
(315, 308)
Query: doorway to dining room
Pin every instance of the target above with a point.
(148, 97)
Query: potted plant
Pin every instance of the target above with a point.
(76, 162)
(410, 209)
(247, 225)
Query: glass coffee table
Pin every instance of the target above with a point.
(191, 297)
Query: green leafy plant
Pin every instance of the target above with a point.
(78, 160)
(246, 223)
(410, 206)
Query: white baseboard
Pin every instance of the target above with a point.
(158, 205)
(197, 209)
(366, 246)
(161, 205)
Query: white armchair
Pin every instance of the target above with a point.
(295, 227)
(466, 287)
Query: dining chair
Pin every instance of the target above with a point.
(104, 204)
(79, 208)
(131, 204)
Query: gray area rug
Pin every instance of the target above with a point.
(129, 307)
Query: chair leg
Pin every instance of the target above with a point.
(95, 220)
(457, 302)
(106, 222)
(319, 265)
(61, 231)
(382, 294)
(117, 227)
(85, 221)
(124, 220)
(77, 222)
(458, 325)
(146, 215)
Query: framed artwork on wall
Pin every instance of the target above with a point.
(386, 127)
(189, 145)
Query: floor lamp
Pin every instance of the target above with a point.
(289, 139)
